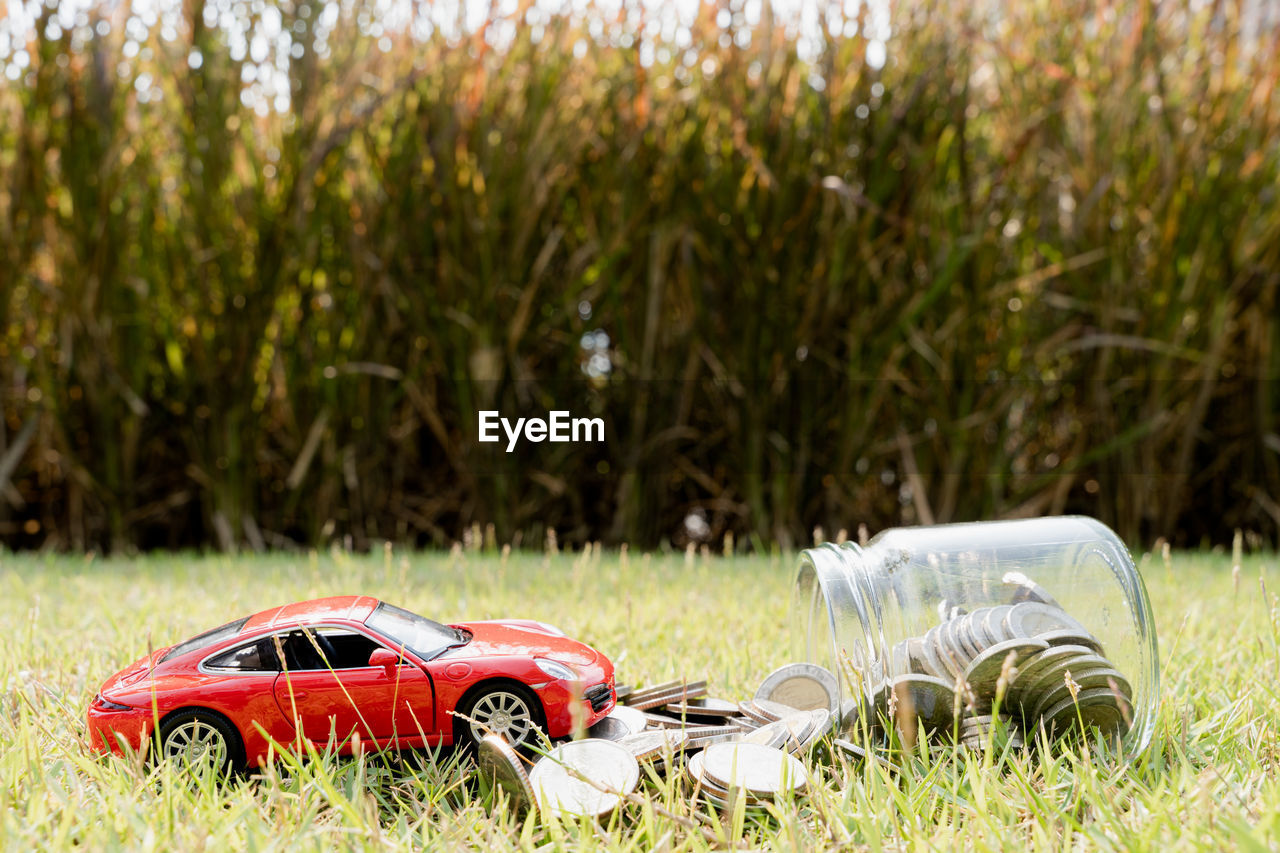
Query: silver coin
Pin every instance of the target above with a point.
(759, 771)
(500, 764)
(972, 632)
(822, 720)
(748, 709)
(774, 710)
(856, 752)
(983, 672)
(930, 700)
(1069, 637)
(775, 734)
(1025, 589)
(1034, 668)
(994, 624)
(610, 728)
(1085, 679)
(929, 650)
(719, 709)
(670, 691)
(662, 721)
(632, 718)
(648, 701)
(584, 777)
(1030, 618)
(1047, 674)
(954, 656)
(648, 746)
(803, 686)
(1093, 709)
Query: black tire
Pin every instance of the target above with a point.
(503, 707)
(193, 736)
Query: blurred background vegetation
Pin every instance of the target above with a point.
(262, 262)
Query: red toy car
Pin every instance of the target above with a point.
(346, 671)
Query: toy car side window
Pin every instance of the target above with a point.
(325, 648)
(258, 656)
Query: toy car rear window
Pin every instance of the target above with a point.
(259, 656)
(208, 638)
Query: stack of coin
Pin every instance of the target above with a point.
(1015, 657)
(982, 732)
(755, 772)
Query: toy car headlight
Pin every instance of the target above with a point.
(555, 669)
(103, 704)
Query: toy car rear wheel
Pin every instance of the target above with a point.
(507, 710)
(200, 741)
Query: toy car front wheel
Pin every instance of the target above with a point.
(506, 710)
(197, 740)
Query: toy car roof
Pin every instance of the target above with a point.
(355, 608)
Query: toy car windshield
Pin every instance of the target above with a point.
(423, 637)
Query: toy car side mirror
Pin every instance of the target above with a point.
(386, 659)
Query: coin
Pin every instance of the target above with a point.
(584, 777)
(774, 710)
(931, 700)
(633, 718)
(648, 701)
(1087, 679)
(1069, 637)
(1093, 709)
(647, 746)
(670, 691)
(993, 624)
(1025, 589)
(751, 711)
(970, 632)
(933, 661)
(719, 709)
(760, 771)
(857, 752)
(775, 734)
(821, 721)
(500, 764)
(983, 672)
(803, 686)
(609, 728)
(1031, 670)
(1029, 618)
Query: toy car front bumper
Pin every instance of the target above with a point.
(561, 698)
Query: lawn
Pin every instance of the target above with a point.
(67, 622)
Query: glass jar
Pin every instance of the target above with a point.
(923, 604)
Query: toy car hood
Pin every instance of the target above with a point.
(521, 637)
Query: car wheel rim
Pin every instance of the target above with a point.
(502, 713)
(196, 743)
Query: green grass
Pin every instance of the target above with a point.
(66, 623)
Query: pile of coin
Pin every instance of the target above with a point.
(754, 749)
(1031, 661)
(990, 677)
